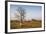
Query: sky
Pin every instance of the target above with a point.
(32, 12)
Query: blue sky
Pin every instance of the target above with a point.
(32, 12)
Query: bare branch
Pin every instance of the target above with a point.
(21, 14)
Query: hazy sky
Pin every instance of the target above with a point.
(32, 12)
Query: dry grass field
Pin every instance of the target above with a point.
(26, 24)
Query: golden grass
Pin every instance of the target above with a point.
(25, 24)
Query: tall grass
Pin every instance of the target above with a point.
(26, 24)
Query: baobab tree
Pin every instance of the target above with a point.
(21, 14)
